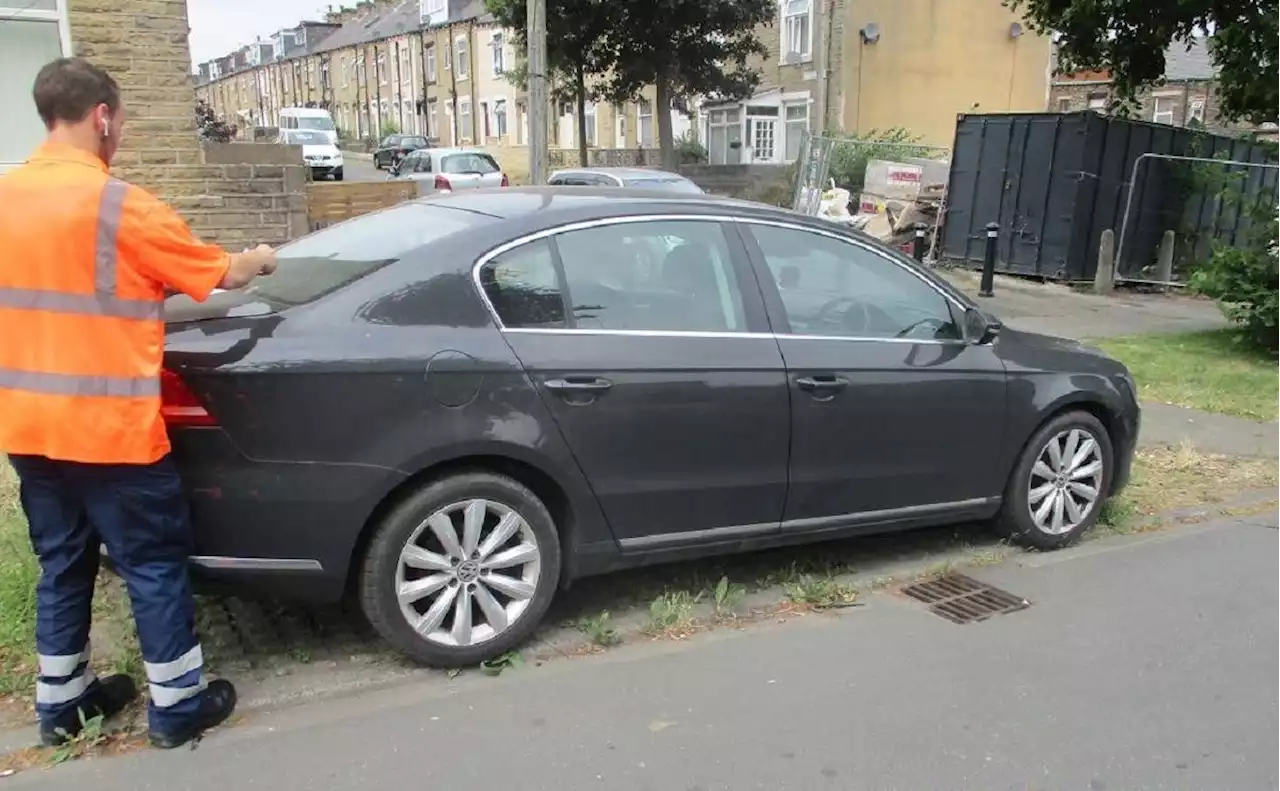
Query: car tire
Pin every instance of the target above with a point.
(337, 174)
(1058, 509)
(413, 530)
(377, 164)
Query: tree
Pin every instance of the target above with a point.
(210, 127)
(685, 49)
(576, 49)
(1129, 39)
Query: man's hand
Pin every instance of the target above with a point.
(247, 265)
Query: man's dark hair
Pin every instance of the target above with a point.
(68, 88)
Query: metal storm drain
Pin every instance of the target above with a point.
(962, 599)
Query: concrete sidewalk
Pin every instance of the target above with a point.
(1166, 424)
(1142, 662)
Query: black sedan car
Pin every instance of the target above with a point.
(456, 406)
(394, 148)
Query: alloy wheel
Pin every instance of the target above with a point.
(1066, 481)
(468, 573)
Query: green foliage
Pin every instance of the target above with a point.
(389, 127)
(1129, 38)
(851, 153)
(689, 151)
(1244, 282)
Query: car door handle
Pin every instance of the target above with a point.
(826, 383)
(573, 384)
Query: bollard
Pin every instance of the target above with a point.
(1104, 278)
(987, 287)
(1164, 260)
(917, 246)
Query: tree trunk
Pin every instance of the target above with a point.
(662, 106)
(580, 94)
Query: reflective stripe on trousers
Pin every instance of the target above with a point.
(170, 683)
(103, 302)
(63, 678)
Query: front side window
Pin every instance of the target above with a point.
(667, 275)
(835, 288)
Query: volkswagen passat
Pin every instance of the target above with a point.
(454, 407)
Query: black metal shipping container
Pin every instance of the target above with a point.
(1055, 181)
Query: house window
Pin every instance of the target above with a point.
(404, 62)
(460, 55)
(796, 124)
(589, 117)
(1195, 113)
(500, 118)
(381, 66)
(435, 7)
(484, 120)
(465, 129)
(499, 54)
(431, 63)
(1162, 109)
(644, 120)
(344, 69)
(31, 35)
(1064, 104)
(1098, 102)
(433, 118)
(797, 30)
(724, 130)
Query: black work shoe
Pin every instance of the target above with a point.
(110, 697)
(216, 704)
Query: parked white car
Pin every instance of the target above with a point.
(322, 156)
(450, 169)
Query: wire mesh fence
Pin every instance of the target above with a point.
(1179, 209)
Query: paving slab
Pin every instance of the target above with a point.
(1166, 424)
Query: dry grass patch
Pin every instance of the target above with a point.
(1173, 478)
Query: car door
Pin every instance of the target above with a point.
(893, 415)
(658, 369)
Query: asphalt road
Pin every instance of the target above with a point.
(1143, 663)
(361, 170)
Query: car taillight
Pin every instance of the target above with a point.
(505, 181)
(179, 406)
(442, 183)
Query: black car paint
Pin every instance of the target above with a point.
(329, 411)
(388, 155)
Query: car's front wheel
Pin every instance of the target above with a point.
(462, 570)
(1059, 485)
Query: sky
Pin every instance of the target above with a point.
(221, 26)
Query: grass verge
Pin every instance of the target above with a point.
(1209, 371)
(1178, 477)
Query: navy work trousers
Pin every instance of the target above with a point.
(140, 513)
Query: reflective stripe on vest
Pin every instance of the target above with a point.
(103, 302)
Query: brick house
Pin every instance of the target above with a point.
(143, 44)
(1185, 96)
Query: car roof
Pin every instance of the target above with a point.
(452, 150)
(555, 204)
(303, 111)
(623, 172)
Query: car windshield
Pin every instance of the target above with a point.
(307, 138)
(667, 184)
(319, 122)
(334, 257)
(479, 163)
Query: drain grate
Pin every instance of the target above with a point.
(962, 599)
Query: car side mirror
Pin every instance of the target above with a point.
(980, 328)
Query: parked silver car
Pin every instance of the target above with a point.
(451, 169)
(641, 178)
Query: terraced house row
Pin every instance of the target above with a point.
(440, 68)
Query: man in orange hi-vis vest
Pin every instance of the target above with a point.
(85, 263)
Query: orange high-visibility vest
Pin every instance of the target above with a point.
(84, 263)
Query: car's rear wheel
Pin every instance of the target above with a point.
(462, 570)
(1059, 485)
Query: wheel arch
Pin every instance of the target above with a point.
(500, 461)
(1084, 401)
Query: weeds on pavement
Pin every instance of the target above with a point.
(727, 597)
(671, 614)
(821, 592)
(599, 630)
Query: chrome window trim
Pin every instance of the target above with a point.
(720, 218)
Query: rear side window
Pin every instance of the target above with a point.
(470, 162)
(334, 257)
(522, 286)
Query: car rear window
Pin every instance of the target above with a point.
(420, 142)
(334, 257)
(469, 163)
(670, 185)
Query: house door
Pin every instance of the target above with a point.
(762, 133)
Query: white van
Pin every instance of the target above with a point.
(309, 118)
